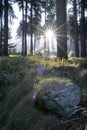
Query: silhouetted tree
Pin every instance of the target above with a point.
(82, 30)
(75, 29)
(5, 49)
(62, 29)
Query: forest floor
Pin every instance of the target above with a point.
(19, 78)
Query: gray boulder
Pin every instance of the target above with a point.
(64, 101)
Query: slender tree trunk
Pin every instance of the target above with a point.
(76, 29)
(26, 29)
(45, 44)
(45, 36)
(6, 28)
(34, 42)
(23, 44)
(62, 31)
(31, 50)
(1, 38)
(82, 30)
(1, 15)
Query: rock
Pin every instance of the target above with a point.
(64, 101)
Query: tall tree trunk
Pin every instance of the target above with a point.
(1, 14)
(35, 41)
(45, 24)
(26, 28)
(62, 31)
(23, 44)
(5, 27)
(75, 29)
(1, 38)
(82, 30)
(31, 49)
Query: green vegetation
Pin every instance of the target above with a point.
(20, 78)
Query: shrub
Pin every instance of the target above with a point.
(11, 71)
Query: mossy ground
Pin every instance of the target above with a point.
(19, 80)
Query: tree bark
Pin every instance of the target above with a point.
(5, 28)
(31, 49)
(1, 38)
(75, 29)
(23, 46)
(62, 29)
(26, 29)
(82, 30)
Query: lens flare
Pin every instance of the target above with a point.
(52, 31)
(34, 96)
(51, 37)
(40, 69)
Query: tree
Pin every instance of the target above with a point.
(82, 30)
(5, 49)
(62, 29)
(22, 7)
(75, 29)
(79, 26)
(1, 28)
(31, 27)
(34, 21)
(30, 16)
(51, 12)
(26, 10)
(6, 12)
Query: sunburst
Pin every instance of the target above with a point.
(51, 34)
(50, 31)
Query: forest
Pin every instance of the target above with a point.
(43, 65)
(67, 25)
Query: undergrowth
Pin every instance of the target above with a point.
(21, 77)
